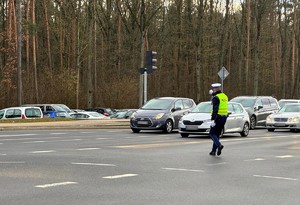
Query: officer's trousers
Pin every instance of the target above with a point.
(216, 131)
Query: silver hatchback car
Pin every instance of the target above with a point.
(199, 119)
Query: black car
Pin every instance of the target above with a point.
(162, 113)
(102, 110)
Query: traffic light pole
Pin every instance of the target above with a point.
(145, 86)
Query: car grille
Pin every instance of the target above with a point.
(143, 122)
(186, 122)
(280, 119)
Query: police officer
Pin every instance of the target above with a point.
(218, 116)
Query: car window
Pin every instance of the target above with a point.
(266, 103)
(290, 108)
(13, 113)
(203, 108)
(237, 108)
(187, 103)
(1, 114)
(230, 108)
(49, 108)
(32, 113)
(273, 102)
(158, 104)
(178, 104)
(246, 102)
(258, 103)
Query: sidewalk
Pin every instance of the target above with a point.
(78, 124)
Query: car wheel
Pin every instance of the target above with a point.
(135, 130)
(271, 129)
(168, 126)
(184, 135)
(295, 130)
(245, 131)
(252, 122)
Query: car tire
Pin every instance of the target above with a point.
(252, 122)
(135, 130)
(184, 135)
(271, 129)
(168, 126)
(246, 129)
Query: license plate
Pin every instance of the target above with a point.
(279, 125)
(191, 127)
(142, 122)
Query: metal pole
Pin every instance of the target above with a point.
(19, 67)
(223, 70)
(145, 86)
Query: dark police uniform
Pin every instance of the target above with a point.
(219, 116)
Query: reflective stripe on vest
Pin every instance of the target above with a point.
(223, 106)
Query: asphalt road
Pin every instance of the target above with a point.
(115, 166)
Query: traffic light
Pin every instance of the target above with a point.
(151, 61)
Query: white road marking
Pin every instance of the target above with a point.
(93, 164)
(180, 169)
(120, 176)
(39, 152)
(221, 163)
(17, 135)
(284, 156)
(12, 162)
(102, 138)
(57, 133)
(92, 148)
(256, 159)
(272, 177)
(87, 132)
(55, 184)
(70, 140)
(33, 142)
(3, 154)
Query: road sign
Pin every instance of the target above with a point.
(223, 73)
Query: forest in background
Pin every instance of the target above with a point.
(87, 53)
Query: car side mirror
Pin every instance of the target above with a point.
(259, 107)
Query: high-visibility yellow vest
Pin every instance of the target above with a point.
(223, 106)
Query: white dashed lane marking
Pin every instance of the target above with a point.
(120, 176)
(273, 177)
(256, 159)
(181, 169)
(85, 149)
(40, 152)
(93, 164)
(285, 156)
(55, 184)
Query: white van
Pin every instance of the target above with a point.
(21, 113)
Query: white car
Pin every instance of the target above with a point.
(21, 113)
(288, 117)
(198, 120)
(282, 102)
(89, 115)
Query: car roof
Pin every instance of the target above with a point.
(245, 96)
(21, 107)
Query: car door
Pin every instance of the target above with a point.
(230, 122)
(177, 112)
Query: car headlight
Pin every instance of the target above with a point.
(294, 119)
(132, 116)
(269, 119)
(158, 116)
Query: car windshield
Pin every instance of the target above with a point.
(246, 102)
(282, 103)
(63, 108)
(158, 104)
(290, 108)
(203, 108)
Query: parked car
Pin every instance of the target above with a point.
(258, 108)
(199, 119)
(57, 114)
(161, 113)
(282, 102)
(89, 115)
(288, 117)
(123, 114)
(102, 110)
(49, 110)
(21, 113)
